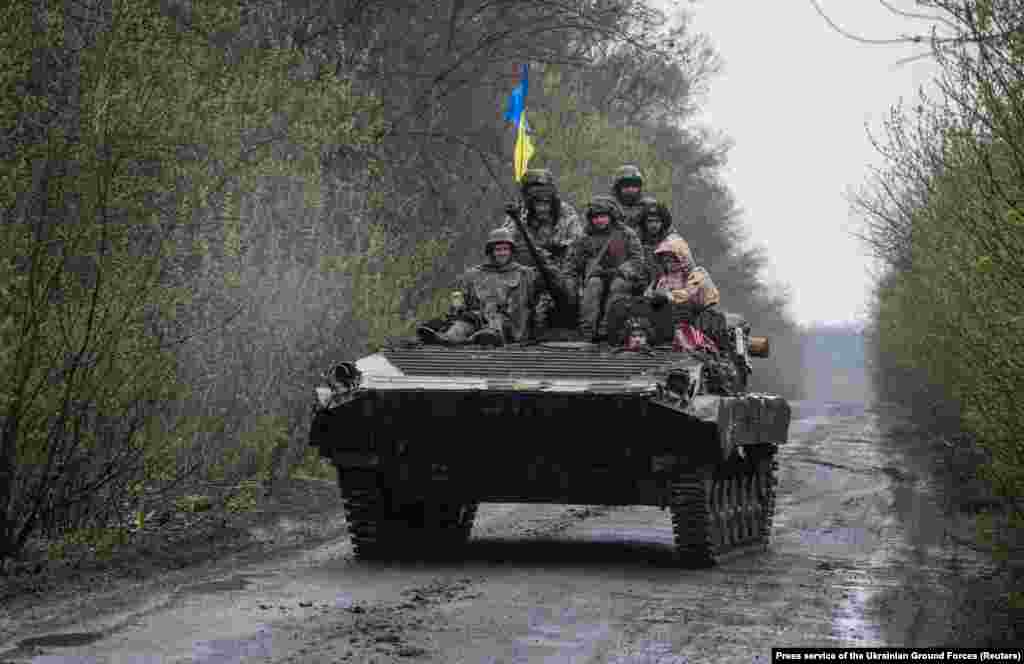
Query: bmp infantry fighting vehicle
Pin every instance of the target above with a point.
(422, 434)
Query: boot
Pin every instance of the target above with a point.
(429, 335)
(487, 337)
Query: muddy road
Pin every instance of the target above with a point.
(859, 557)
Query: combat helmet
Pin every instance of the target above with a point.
(497, 236)
(604, 205)
(538, 181)
(627, 175)
(539, 184)
(652, 206)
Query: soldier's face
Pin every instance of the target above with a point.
(600, 221)
(631, 190)
(502, 253)
(653, 225)
(542, 209)
(670, 262)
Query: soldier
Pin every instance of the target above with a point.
(493, 302)
(638, 334)
(627, 188)
(655, 227)
(553, 226)
(688, 289)
(604, 265)
(552, 223)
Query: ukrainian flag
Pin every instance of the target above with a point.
(516, 112)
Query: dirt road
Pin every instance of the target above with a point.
(858, 558)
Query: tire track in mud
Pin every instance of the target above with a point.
(293, 610)
(855, 561)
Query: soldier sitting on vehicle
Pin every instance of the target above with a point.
(654, 228)
(627, 189)
(688, 289)
(603, 266)
(553, 226)
(639, 334)
(493, 302)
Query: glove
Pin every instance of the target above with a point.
(658, 300)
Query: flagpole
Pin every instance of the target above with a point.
(523, 150)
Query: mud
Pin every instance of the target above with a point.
(860, 556)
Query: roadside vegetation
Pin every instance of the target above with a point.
(945, 216)
(205, 203)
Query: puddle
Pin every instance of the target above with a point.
(67, 640)
(651, 652)
(558, 635)
(839, 541)
(856, 619)
(344, 601)
(805, 425)
(232, 650)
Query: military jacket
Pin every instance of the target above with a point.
(510, 291)
(555, 239)
(624, 254)
(632, 215)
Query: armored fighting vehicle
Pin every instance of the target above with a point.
(422, 434)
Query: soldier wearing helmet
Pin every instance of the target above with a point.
(639, 333)
(603, 266)
(654, 228)
(493, 302)
(552, 223)
(628, 188)
(553, 226)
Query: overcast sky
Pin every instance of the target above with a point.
(795, 97)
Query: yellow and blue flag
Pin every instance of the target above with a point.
(516, 112)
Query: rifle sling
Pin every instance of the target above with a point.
(599, 258)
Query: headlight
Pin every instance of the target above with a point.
(684, 382)
(346, 375)
(679, 382)
(323, 396)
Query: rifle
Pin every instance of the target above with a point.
(594, 264)
(558, 293)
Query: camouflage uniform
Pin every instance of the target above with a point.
(497, 301)
(601, 283)
(632, 207)
(552, 238)
(555, 239)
